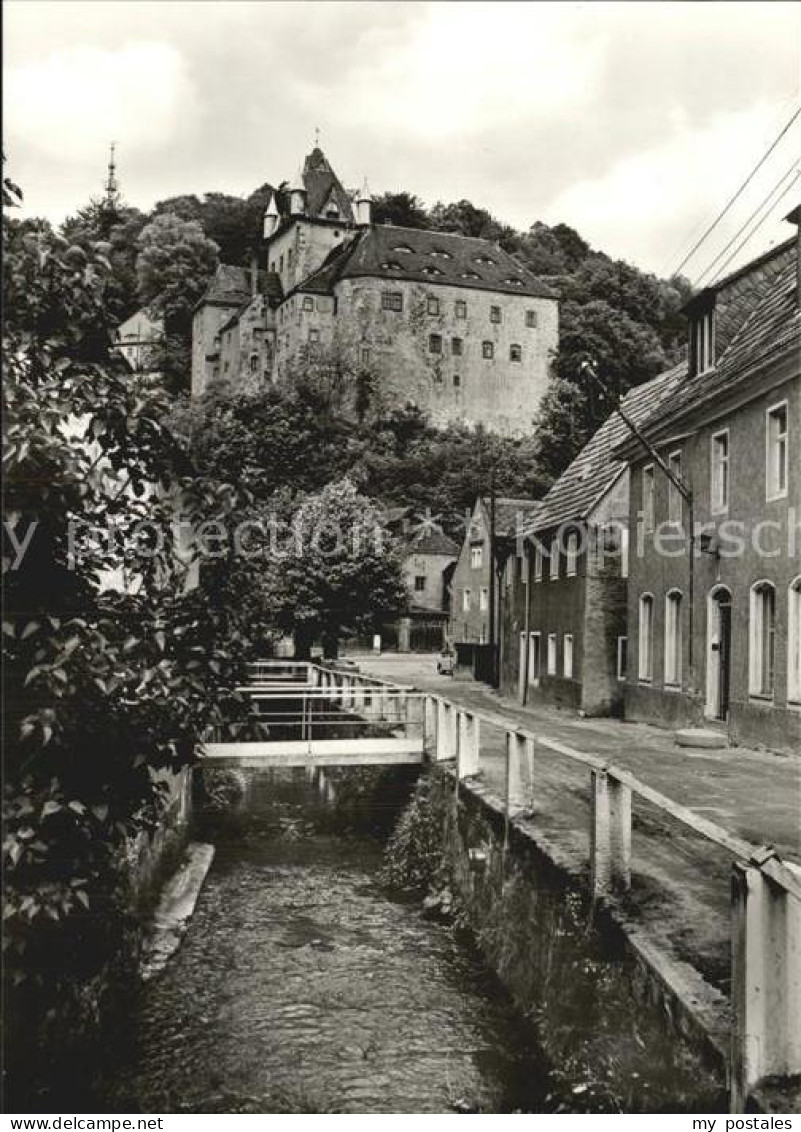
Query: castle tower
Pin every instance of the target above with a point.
(297, 196)
(364, 206)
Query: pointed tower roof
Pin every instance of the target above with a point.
(323, 187)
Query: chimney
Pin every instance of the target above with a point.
(794, 217)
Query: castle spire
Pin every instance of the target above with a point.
(111, 186)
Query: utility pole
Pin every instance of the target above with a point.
(492, 618)
(588, 367)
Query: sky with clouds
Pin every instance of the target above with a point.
(632, 122)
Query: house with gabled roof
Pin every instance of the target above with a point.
(715, 620)
(452, 324)
(563, 629)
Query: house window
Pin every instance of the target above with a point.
(515, 353)
(776, 453)
(466, 601)
(567, 656)
(648, 509)
(719, 472)
(461, 308)
(794, 642)
(391, 301)
(254, 363)
(314, 335)
(435, 343)
(457, 381)
(483, 598)
(495, 314)
(537, 563)
(622, 657)
(646, 666)
(531, 319)
(308, 303)
(763, 639)
(476, 557)
(456, 347)
(487, 349)
(571, 554)
(673, 638)
(675, 500)
(702, 343)
(419, 583)
(433, 305)
(554, 572)
(551, 669)
(364, 354)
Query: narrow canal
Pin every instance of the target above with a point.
(302, 986)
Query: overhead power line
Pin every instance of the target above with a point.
(754, 231)
(765, 201)
(738, 193)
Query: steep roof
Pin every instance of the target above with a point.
(772, 329)
(392, 252)
(229, 286)
(433, 542)
(595, 469)
(322, 184)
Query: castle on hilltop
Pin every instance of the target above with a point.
(450, 323)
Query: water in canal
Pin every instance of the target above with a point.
(301, 986)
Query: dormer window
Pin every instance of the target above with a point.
(391, 265)
(515, 282)
(332, 212)
(702, 341)
(403, 248)
(441, 253)
(470, 275)
(484, 259)
(429, 270)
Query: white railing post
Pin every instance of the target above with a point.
(766, 981)
(610, 833)
(430, 721)
(516, 751)
(468, 743)
(446, 731)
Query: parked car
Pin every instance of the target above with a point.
(446, 662)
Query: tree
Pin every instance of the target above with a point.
(403, 209)
(174, 265)
(342, 571)
(115, 235)
(101, 686)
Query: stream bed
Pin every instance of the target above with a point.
(303, 986)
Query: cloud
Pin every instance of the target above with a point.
(75, 99)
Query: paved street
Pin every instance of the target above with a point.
(681, 882)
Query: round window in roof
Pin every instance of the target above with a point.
(441, 253)
(431, 270)
(391, 265)
(404, 248)
(470, 275)
(484, 259)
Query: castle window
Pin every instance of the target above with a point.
(419, 583)
(776, 451)
(461, 308)
(391, 301)
(762, 639)
(531, 319)
(456, 347)
(433, 305)
(281, 263)
(308, 303)
(289, 258)
(254, 362)
(435, 343)
(365, 355)
(495, 314)
(515, 353)
(314, 334)
(488, 349)
(457, 381)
